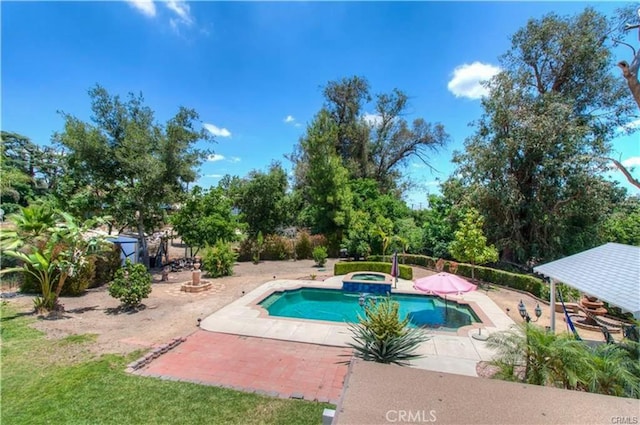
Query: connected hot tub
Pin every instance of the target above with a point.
(368, 282)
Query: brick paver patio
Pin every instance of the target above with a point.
(273, 367)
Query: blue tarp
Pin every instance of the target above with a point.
(128, 248)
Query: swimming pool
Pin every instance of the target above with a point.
(338, 306)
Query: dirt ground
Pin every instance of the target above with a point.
(169, 313)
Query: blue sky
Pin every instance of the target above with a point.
(254, 70)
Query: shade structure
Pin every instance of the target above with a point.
(444, 283)
(610, 272)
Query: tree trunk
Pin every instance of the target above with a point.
(61, 281)
(143, 243)
(631, 75)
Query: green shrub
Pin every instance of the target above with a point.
(569, 294)
(258, 247)
(276, 248)
(106, 266)
(522, 282)
(218, 260)
(77, 283)
(304, 250)
(341, 268)
(381, 336)
(320, 255)
(131, 284)
(318, 240)
(245, 251)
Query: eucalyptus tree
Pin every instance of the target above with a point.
(534, 165)
(376, 142)
(134, 165)
(628, 21)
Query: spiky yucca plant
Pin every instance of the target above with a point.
(381, 336)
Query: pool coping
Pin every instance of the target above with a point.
(461, 331)
(451, 352)
(388, 279)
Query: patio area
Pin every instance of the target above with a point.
(264, 366)
(452, 352)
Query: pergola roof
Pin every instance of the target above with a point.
(610, 272)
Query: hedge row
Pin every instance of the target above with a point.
(406, 272)
(522, 282)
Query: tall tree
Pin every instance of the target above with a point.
(629, 17)
(134, 164)
(628, 21)
(261, 199)
(29, 171)
(374, 145)
(327, 192)
(533, 166)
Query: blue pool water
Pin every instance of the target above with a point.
(338, 306)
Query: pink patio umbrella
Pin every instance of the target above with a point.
(444, 283)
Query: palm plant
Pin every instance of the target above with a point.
(381, 335)
(30, 226)
(49, 252)
(612, 372)
(531, 354)
(40, 265)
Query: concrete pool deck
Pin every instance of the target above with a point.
(450, 352)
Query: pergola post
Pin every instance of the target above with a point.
(552, 301)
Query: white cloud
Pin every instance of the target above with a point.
(146, 7)
(214, 176)
(633, 125)
(634, 161)
(431, 183)
(215, 157)
(466, 80)
(372, 119)
(182, 13)
(289, 119)
(234, 159)
(221, 132)
(418, 165)
(182, 9)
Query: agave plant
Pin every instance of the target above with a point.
(381, 336)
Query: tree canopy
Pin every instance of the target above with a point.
(134, 166)
(533, 167)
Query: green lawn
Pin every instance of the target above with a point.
(61, 382)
